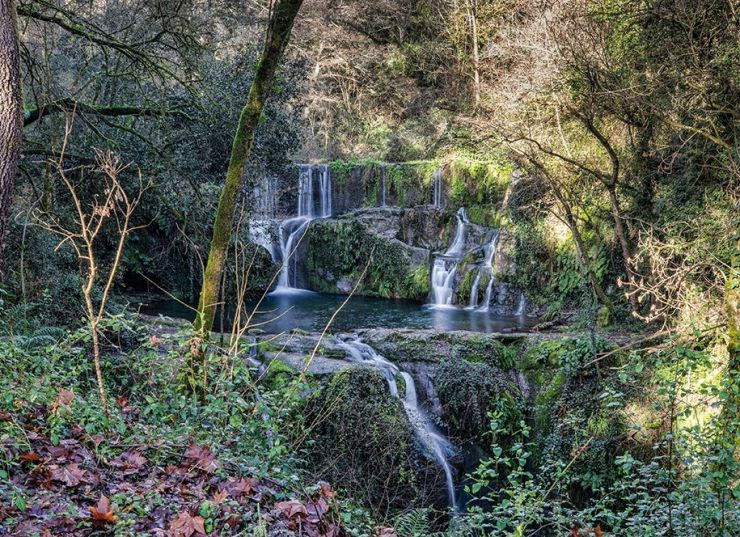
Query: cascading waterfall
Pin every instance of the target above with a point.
(458, 244)
(433, 441)
(521, 308)
(444, 269)
(485, 268)
(492, 280)
(309, 207)
(437, 182)
(442, 281)
(383, 175)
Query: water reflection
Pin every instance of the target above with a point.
(311, 311)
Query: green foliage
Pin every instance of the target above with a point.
(468, 391)
(341, 250)
(363, 441)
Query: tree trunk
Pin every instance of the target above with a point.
(11, 113)
(581, 249)
(472, 6)
(278, 35)
(622, 237)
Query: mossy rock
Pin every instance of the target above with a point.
(339, 250)
(363, 442)
(469, 391)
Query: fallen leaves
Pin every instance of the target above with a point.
(68, 488)
(102, 513)
(203, 458)
(186, 525)
(70, 474)
(64, 400)
(129, 462)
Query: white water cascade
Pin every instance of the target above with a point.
(485, 268)
(437, 182)
(383, 176)
(458, 244)
(443, 279)
(445, 267)
(312, 179)
(521, 308)
(432, 440)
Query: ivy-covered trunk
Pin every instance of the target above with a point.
(11, 130)
(278, 35)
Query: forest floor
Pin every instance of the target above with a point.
(77, 486)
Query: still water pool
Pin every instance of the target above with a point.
(282, 311)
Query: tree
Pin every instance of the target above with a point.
(11, 127)
(278, 35)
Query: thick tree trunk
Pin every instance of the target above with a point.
(11, 113)
(278, 35)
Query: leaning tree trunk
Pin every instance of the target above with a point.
(278, 35)
(11, 129)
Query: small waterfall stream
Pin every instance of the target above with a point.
(485, 268)
(432, 440)
(437, 182)
(444, 269)
(383, 176)
(310, 206)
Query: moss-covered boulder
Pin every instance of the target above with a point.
(408, 345)
(337, 252)
(363, 443)
(470, 391)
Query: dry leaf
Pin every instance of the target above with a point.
(203, 457)
(102, 514)
(219, 496)
(292, 508)
(70, 474)
(186, 525)
(31, 456)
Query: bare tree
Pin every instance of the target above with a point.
(11, 130)
(114, 205)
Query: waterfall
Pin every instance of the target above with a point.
(442, 281)
(458, 244)
(521, 308)
(290, 232)
(489, 288)
(309, 207)
(486, 267)
(433, 441)
(437, 181)
(382, 184)
(443, 276)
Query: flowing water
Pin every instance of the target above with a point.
(485, 268)
(383, 176)
(433, 441)
(437, 182)
(312, 179)
(445, 266)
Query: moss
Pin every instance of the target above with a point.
(469, 391)
(342, 249)
(363, 441)
(546, 400)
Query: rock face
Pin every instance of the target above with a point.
(335, 252)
